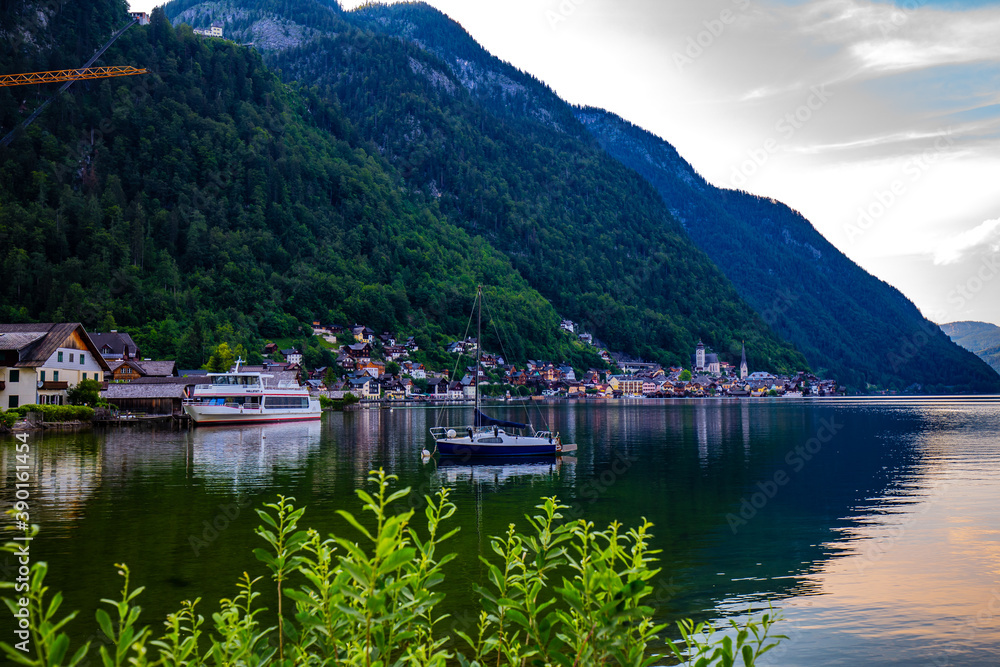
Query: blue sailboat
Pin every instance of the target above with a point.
(489, 437)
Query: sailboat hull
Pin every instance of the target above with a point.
(509, 447)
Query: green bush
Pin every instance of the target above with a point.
(561, 594)
(9, 418)
(86, 392)
(337, 403)
(57, 413)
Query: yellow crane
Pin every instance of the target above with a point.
(58, 75)
(69, 76)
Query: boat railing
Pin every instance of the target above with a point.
(248, 388)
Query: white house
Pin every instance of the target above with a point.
(292, 356)
(214, 31)
(39, 362)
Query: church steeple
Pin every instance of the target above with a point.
(743, 363)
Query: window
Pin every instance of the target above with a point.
(12, 402)
(42, 376)
(83, 359)
(55, 376)
(70, 357)
(285, 402)
(84, 376)
(59, 357)
(15, 376)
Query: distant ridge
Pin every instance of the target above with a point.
(980, 338)
(859, 328)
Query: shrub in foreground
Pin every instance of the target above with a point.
(562, 593)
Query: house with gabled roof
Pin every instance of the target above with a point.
(40, 362)
(362, 352)
(127, 370)
(114, 345)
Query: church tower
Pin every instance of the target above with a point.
(743, 363)
(699, 357)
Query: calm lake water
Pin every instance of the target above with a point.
(873, 524)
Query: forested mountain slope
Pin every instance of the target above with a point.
(206, 201)
(845, 321)
(590, 235)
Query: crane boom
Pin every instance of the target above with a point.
(9, 137)
(55, 76)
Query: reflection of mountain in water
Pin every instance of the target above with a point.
(690, 467)
(769, 538)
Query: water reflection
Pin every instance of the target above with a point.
(246, 457)
(882, 542)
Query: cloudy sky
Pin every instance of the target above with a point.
(879, 121)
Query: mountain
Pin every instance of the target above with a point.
(847, 323)
(210, 201)
(861, 329)
(980, 338)
(207, 201)
(587, 233)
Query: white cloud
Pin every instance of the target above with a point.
(952, 249)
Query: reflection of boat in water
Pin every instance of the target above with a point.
(243, 398)
(489, 437)
(498, 471)
(252, 452)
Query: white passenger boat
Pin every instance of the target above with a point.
(242, 398)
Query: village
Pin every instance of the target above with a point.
(43, 363)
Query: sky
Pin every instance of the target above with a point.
(878, 121)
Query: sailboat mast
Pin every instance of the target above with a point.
(479, 346)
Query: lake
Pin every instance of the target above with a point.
(872, 524)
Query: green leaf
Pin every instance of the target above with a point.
(354, 522)
(104, 621)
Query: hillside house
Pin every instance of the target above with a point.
(393, 352)
(373, 368)
(292, 355)
(360, 352)
(214, 31)
(39, 362)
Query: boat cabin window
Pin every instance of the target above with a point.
(286, 402)
(234, 380)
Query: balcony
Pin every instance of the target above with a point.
(53, 386)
